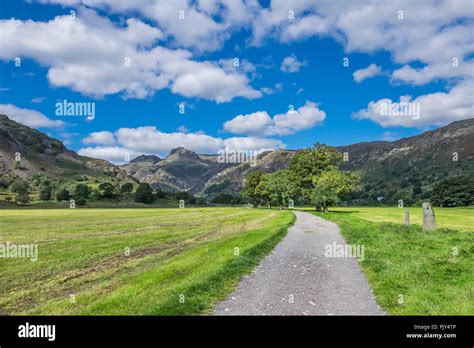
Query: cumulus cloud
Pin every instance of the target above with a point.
(212, 22)
(432, 32)
(438, 108)
(260, 123)
(150, 140)
(291, 64)
(101, 138)
(114, 154)
(29, 117)
(362, 74)
(125, 59)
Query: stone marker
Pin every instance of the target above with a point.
(407, 217)
(429, 219)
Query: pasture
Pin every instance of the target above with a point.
(461, 219)
(132, 261)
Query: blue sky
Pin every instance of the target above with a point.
(290, 53)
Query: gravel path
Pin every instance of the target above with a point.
(298, 279)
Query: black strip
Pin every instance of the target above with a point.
(240, 330)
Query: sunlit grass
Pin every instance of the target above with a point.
(181, 261)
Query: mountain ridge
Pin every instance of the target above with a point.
(394, 167)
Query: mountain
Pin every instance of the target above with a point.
(39, 154)
(404, 169)
(392, 170)
(411, 166)
(152, 159)
(181, 170)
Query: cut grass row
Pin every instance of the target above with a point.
(181, 261)
(412, 272)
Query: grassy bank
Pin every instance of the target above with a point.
(181, 261)
(411, 272)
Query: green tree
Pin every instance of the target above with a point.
(262, 191)
(17, 186)
(329, 186)
(159, 193)
(283, 187)
(455, 191)
(107, 190)
(251, 182)
(126, 188)
(22, 196)
(308, 163)
(95, 194)
(62, 195)
(82, 192)
(46, 193)
(144, 194)
(223, 198)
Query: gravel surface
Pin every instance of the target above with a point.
(298, 279)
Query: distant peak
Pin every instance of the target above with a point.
(146, 158)
(182, 152)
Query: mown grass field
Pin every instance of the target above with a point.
(413, 272)
(181, 261)
(461, 219)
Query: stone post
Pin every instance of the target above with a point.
(429, 219)
(407, 217)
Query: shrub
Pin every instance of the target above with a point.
(81, 202)
(126, 188)
(62, 195)
(144, 194)
(45, 193)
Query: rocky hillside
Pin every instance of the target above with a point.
(25, 152)
(391, 170)
(181, 170)
(411, 166)
(407, 168)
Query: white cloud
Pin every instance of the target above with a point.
(113, 154)
(432, 31)
(255, 123)
(211, 22)
(291, 64)
(29, 117)
(100, 138)
(389, 136)
(38, 100)
(260, 123)
(362, 74)
(149, 140)
(125, 59)
(438, 108)
(182, 129)
(269, 90)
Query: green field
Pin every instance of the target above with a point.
(413, 272)
(461, 219)
(181, 261)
